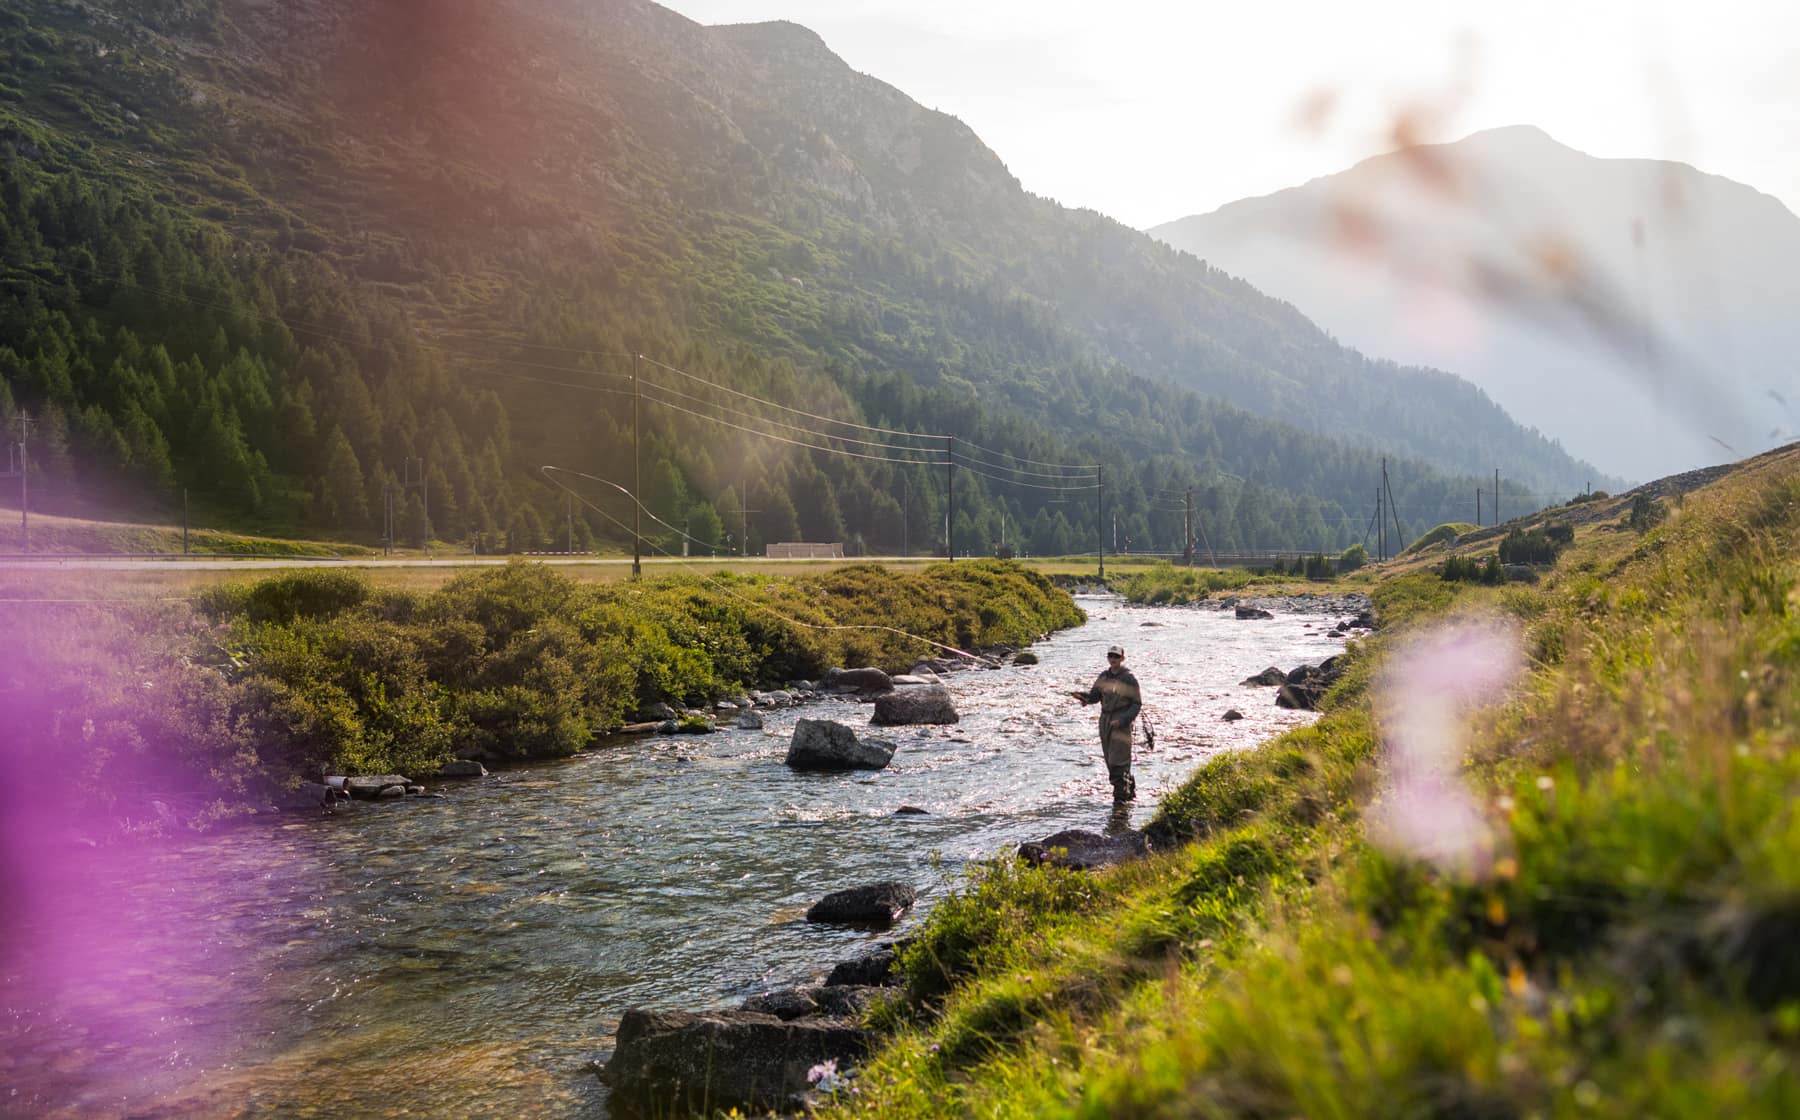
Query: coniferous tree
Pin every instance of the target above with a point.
(341, 495)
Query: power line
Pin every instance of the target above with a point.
(743, 415)
(786, 408)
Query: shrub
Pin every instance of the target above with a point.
(285, 598)
(1352, 558)
(1538, 546)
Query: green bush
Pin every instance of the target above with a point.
(1539, 546)
(285, 598)
(1465, 569)
(1352, 558)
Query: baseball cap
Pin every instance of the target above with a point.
(1115, 651)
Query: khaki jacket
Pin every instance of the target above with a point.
(1116, 690)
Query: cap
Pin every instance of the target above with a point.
(1115, 651)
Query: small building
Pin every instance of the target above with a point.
(800, 550)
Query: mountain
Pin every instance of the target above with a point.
(1644, 313)
(279, 253)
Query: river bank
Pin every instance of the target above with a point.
(184, 715)
(1566, 892)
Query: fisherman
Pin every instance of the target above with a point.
(1116, 691)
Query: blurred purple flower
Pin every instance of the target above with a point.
(1426, 811)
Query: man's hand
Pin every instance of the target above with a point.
(1081, 696)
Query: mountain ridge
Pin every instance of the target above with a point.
(538, 181)
(1601, 300)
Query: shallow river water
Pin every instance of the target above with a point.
(470, 956)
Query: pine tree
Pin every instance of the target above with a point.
(341, 496)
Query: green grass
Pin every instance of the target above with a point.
(80, 536)
(1620, 947)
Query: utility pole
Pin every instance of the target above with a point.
(637, 478)
(407, 482)
(1496, 495)
(571, 523)
(905, 515)
(1393, 512)
(184, 521)
(21, 466)
(1102, 525)
(950, 489)
(1478, 505)
(1187, 542)
(1380, 523)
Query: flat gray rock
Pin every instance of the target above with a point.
(876, 905)
(1080, 850)
(823, 744)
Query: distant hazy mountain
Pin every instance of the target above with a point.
(1645, 314)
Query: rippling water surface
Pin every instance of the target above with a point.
(470, 956)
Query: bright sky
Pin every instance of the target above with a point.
(1150, 111)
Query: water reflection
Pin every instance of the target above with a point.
(469, 956)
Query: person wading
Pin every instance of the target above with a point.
(1116, 691)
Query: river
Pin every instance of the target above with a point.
(469, 956)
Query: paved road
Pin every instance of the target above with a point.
(223, 563)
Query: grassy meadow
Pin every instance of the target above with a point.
(1590, 913)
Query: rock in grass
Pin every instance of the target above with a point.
(677, 1063)
(869, 971)
(823, 744)
(876, 905)
(1080, 850)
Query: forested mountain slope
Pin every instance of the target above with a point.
(274, 252)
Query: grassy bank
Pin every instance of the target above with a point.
(212, 705)
(1604, 927)
(85, 537)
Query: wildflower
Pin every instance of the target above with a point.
(824, 1076)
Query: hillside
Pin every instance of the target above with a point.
(273, 253)
(1642, 312)
(1534, 859)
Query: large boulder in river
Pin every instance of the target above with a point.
(917, 704)
(863, 682)
(1268, 676)
(1253, 612)
(1307, 685)
(876, 905)
(823, 744)
(679, 1063)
